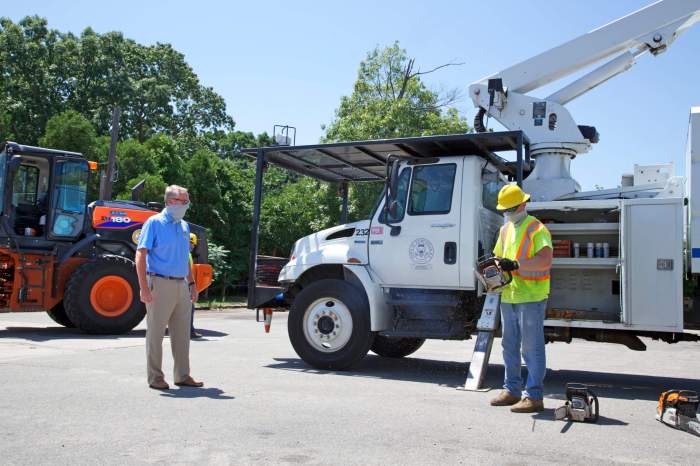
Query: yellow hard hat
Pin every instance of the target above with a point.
(193, 239)
(511, 196)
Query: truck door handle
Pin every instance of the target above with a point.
(450, 252)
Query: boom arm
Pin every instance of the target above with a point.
(652, 28)
(554, 136)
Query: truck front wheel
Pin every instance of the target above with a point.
(329, 324)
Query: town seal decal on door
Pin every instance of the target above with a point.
(421, 252)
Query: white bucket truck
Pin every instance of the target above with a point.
(407, 273)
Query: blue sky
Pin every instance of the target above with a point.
(290, 62)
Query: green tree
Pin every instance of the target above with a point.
(390, 100)
(70, 131)
(133, 159)
(31, 88)
(46, 72)
(294, 211)
(153, 189)
(169, 158)
(221, 266)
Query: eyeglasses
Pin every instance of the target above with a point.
(511, 210)
(180, 201)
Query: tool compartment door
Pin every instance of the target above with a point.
(652, 238)
(423, 252)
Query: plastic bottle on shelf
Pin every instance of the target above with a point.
(606, 249)
(590, 251)
(576, 249)
(599, 249)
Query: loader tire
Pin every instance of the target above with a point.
(102, 296)
(395, 347)
(329, 324)
(58, 315)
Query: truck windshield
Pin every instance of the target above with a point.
(3, 159)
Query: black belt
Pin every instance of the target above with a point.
(167, 277)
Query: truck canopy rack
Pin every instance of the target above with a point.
(362, 161)
(366, 160)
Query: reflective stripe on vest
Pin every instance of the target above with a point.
(524, 250)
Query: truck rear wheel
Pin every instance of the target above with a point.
(58, 315)
(102, 296)
(395, 347)
(329, 324)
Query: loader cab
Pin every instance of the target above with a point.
(44, 194)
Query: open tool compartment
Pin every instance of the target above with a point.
(633, 283)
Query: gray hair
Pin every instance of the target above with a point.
(172, 191)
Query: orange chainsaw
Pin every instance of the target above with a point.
(679, 409)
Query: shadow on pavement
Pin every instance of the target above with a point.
(548, 415)
(187, 392)
(209, 333)
(40, 334)
(61, 333)
(453, 374)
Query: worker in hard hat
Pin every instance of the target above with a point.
(524, 247)
(193, 245)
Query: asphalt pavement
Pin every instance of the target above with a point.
(69, 398)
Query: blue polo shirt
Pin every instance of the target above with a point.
(168, 244)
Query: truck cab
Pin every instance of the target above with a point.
(407, 272)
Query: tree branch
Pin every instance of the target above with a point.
(406, 77)
(419, 72)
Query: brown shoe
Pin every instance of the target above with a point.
(528, 405)
(189, 382)
(159, 385)
(505, 398)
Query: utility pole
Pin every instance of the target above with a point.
(108, 174)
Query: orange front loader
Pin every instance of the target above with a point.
(59, 254)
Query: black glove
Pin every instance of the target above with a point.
(508, 265)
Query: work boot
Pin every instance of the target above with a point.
(505, 398)
(189, 382)
(159, 384)
(528, 405)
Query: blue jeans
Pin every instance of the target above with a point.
(523, 326)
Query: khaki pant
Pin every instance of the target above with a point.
(171, 307)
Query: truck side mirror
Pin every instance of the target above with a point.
(394, 179)
(393, 208)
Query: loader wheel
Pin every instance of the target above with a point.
(102, 296)
(58, 314)
(394, 347)
(329, 324)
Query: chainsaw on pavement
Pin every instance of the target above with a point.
(581, 404)
(679, 409)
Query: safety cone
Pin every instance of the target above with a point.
(267, 313)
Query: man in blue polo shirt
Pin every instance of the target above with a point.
(167, 288)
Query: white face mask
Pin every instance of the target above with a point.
(177, 211)
(516, 217)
